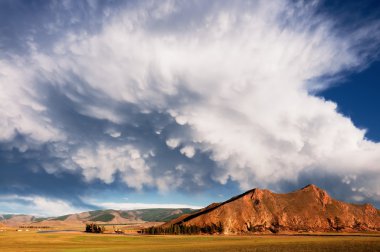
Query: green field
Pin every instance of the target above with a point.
(32, 241)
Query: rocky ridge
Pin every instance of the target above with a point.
(309, 209)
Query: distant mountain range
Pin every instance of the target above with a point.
(99, 216)
(309, 209)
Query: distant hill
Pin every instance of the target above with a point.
(101, 216)
(309, 209)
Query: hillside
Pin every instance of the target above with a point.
(101, 216)
(309, 209)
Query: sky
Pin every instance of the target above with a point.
(141, 104)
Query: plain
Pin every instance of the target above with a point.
(78, 241)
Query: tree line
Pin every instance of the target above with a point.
(177, 229)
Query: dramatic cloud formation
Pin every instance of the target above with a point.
(162, 89)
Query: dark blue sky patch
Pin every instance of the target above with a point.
(358, 97)
(24, 177)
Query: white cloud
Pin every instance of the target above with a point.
(133, 206)
(173, 143)
(20, 110)
(188, 151)
(240, 76)
(103, 161)
(113, 133)
(37, 205)
(168, 181)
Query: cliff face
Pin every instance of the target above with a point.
(308, 209)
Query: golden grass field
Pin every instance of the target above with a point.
(77, 241)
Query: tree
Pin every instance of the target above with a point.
(184, 229)
(94, 228)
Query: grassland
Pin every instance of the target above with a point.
(103, 217)
(61, 218)
(32, 241)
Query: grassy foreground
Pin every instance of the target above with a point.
(31, 241)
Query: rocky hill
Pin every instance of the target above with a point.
(98, 216)
(309, 209)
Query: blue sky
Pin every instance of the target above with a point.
(358, 98)
(135, 104)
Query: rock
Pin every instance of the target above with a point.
(309, 209)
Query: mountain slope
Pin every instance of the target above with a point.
(102, 216)
(307, 209)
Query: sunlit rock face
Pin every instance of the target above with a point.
(309, 209)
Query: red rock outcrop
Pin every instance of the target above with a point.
(309, 209)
